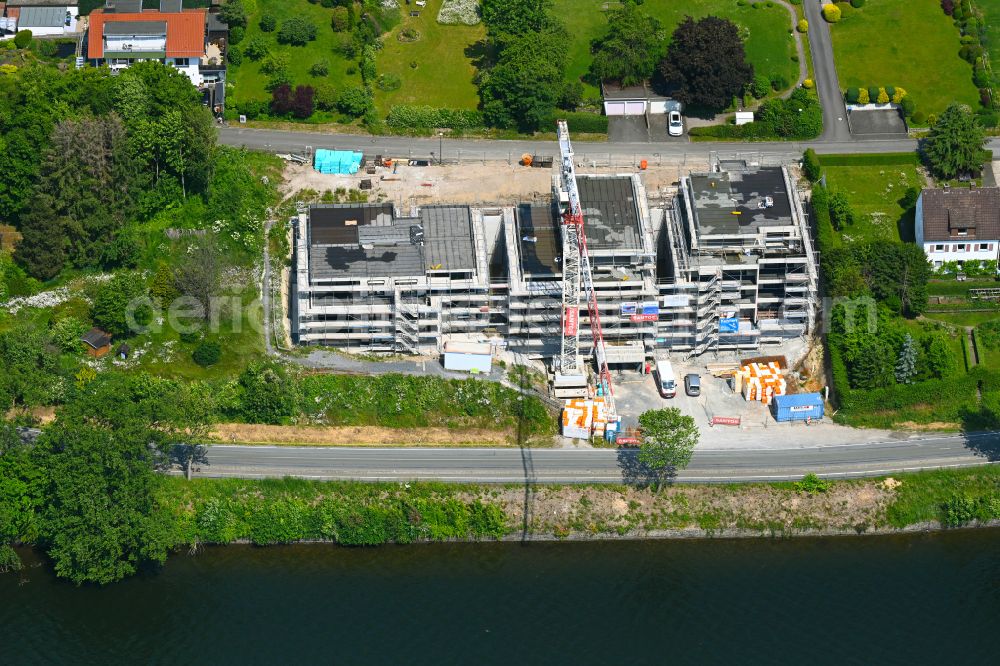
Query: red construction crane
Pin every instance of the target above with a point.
(577, 276)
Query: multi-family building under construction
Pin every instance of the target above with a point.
(726, 264)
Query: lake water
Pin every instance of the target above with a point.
(923, 599)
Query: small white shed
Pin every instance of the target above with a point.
(468, 356)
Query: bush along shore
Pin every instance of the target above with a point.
(185, 515)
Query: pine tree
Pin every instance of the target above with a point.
(906, 364)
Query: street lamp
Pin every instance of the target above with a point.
(440, 147)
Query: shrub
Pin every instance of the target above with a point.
(857, 4)
(831, 13)
(898, 95)
(811, 483)
(863, 97)
(918, 117)
(760, 86)
(339, 21)
(809, 84)
(257, 48)
(274, 63)
(22, 39)
(325, 96)
(891, 92)
(988, 118)
(960, 510)
(742, 3)
(296, 31)
(872, 94)
(948, 6)
(803, 25)
(207, 353)
(302, 102)
(779, 82)
(234, 56)
(851, 96)
(810, 165)
(354, 101)
(237, 34)
(580, 121)
(883, 96)
(268, 23)
(320, 68)
(281, 99)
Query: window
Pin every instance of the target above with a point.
(180, 62)
(963, 231)
(960, 247)
(939, 248)
(937, 264)
(983, 247)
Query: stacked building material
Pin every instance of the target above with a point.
(578, 418)
(760, 382)
(341, 162)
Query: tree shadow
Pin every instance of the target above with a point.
(637, 473)
(183, 456)
(981, 429)
(482, 54)
(528, 465)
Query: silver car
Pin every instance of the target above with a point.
(675, 125)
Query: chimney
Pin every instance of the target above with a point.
(947, 188)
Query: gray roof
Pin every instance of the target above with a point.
(613, 91)
(42, 3)
(976, 210)
(171, 5)
(214, 24)
(124, 6)
(135, 28)
(610, 216)
(717, 197)
(42, 17)
(540, 239)
(96, 338)
(448, 237)
(366, 240)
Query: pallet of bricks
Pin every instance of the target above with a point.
(583, 417)
(760, 381)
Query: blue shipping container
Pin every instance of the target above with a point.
(798, 407)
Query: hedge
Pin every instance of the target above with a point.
(407, 116)
(581, 122)
(869, 159)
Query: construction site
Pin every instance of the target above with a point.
(586, 274)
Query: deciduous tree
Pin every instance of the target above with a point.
(524, 87)
(706, 64)
(668, 441)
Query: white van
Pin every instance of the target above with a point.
(666, 383)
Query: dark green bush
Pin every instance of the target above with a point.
(268, 23)
(851, 96)
(405, 116)
(579, 121)
(22, 39)
(857, 4)
(207, 353)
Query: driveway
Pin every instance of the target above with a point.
(633, 129)
(877, 123)
(835, 127)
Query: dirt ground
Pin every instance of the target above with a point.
(472, 183)
(241, 433)
(624, 509)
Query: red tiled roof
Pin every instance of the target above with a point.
(185, 31)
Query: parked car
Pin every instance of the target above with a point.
(675, 124)
(692, 384)
(665, 379)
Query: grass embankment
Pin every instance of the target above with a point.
(373, 436)
(280, 511)
(769, 46)
(912, 45)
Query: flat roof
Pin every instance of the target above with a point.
(42, 17)
(610, 214)
(730, 202)
(135, 28)
(448, 238)
(368, 241)
(539, 239)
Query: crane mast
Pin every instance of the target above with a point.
(577, 276)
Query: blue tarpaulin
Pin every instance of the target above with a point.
(337, 161)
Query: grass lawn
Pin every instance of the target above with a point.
(960, 318)
(250, 82)
(874, 193)
(769, 45)
(908, 44)
(239, 336)
(444, 55)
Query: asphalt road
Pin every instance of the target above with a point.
(835, 127)
(593, 465)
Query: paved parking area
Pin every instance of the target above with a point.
(877, 123)
(636, 393)
(633, 129)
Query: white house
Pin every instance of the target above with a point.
(44, 18)
(123, 33)
(958, 224)
(635, 100)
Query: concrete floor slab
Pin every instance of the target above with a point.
(877, 122)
